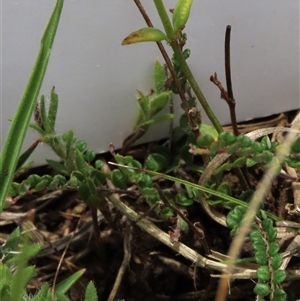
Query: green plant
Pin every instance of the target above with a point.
(150, 106)
(16, 274)
(78, 169)
(174, 37)
(266, 253)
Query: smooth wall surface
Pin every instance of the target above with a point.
(96, 78)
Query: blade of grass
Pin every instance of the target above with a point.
(13, 143)
(193, 185)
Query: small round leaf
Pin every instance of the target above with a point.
(263, 273)
(279, 276)
(276, 261)
(182, 200)
(261, 289)
(119, 179)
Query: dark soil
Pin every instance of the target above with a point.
(63, 223)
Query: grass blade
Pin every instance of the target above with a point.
(13, 143)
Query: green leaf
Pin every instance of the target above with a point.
(184, 227)
(233, 148)
(87, 192)
(143, 180)
(29, 272)
(146, 34)
(265, 157)
(204, 140)
(261, 289)
(246, 195)
(81, 163)
(158, 102)
(24, 187)
(271, 233)
(90, 293)
(69, 137)
(89, 155)
(58, 167)
(52, 110)
(143, 101)
(263, 273)
(295, 148)
(186, 53)
(244, 141)
(276, 261)
(165, 212)
(273, 248)
(280, 295)
(224, 188)
(182, 200)
(98, 177)
(23, 274)
(41, 185)
(151, 195)
(13, 189)
(119, 179)
(155, 162)
(235, 216)
(13, 239)
(228, 137)
(25, 155)
(34, 179)
(128, 160)
(14, 139)
(99, 164)
(43, 116)
(57, 182)
(260, 257)
(78, 175)
(81, 145)
(257, 147)
(66, 284)
(181, 14)
(61, 297)
(209, 130)
(159, 77)
(266, 143)
(157, 119)
(238, 162)
(279, 276)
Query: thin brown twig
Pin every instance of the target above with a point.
(125, 262)
(227, 95)
(227, 63)
(231, 100)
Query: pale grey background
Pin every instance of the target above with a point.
(96, 78)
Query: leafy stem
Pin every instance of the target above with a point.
(171, 34)
(194, 85)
